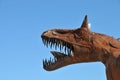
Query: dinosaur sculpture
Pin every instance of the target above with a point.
(81, 45)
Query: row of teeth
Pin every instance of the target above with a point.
(57, 44)
(49, 62)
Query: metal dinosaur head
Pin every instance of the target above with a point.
(75, 43)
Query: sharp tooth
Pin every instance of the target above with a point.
(58, 43)
(44, 64)
(47, 43)
(65, 49)
(55, 59)
(60, 47)
(68, 50)
(48, 62)
(45, 61)
(53, 41)
(51, 44)
(55, 46)
(44, 42)
(50, 59)
(72, 54)
(71, 48)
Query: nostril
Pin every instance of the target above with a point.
(43, 33)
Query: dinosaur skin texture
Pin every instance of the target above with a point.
(81, 45)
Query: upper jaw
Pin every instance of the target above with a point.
(54, 42)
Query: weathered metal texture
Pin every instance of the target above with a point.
(82, 45)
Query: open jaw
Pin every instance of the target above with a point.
(60, 58)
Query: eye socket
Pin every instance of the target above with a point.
(61, 32)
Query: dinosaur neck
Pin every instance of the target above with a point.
(113, 68)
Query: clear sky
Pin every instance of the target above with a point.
(23, 21)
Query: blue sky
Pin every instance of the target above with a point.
(23, 21)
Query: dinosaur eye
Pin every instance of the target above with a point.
(62, 32)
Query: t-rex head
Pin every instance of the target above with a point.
(78, 46)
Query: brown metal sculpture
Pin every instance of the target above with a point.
(81, 45)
